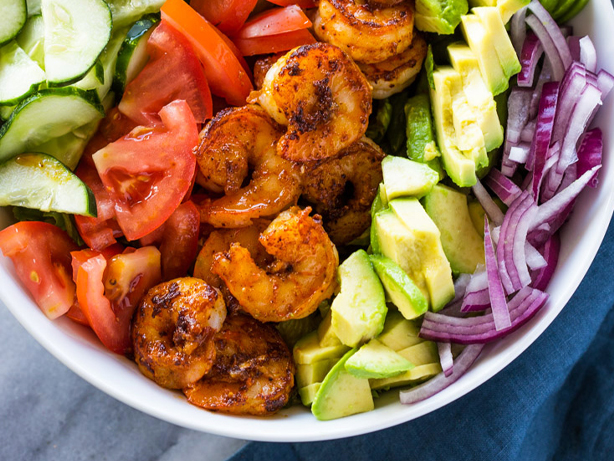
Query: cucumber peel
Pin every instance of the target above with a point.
(39, 181)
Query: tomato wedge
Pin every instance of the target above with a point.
(109, 292)
(227, 15)
(301, 3)
(41, 255)
(177, 240)
(173, 72)
(223, 69)
(274, 43)
(149, 171)
(100, 232)
(179, 246)
(274, 22)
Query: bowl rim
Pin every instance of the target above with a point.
(79, 351)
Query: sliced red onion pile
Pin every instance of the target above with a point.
(549, 157)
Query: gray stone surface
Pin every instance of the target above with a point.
(49, 413)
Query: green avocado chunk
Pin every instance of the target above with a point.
(342, 394)
(404, 177)
(359, 310)
(424, 356)
(492, 21)
(459, 166)
(374, 360)
(401, 290)
(421, 145)
(461, 243)
(399, 333)
(439, 16)
(482, 41)
(479, 98)
(308, 350)
(407, 235)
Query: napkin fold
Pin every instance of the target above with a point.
(555, 401)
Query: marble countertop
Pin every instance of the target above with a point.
(49, 413)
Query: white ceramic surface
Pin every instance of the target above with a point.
(78, 348)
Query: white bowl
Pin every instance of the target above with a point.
(79, 349)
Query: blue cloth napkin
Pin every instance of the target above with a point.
(556, 401)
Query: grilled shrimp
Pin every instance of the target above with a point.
(262, 66)
(398, 72)
(342, 190)
(323, 98)
(173, 331)
(292, 287)
(368, 31)
(220, 241)
(253, 372)
(236, 141)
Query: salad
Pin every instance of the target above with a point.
(263, 203)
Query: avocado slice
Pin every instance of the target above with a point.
(508, 8)
(404, 177)
(374, 360)
(424, 356)
(459, 167)
(359, 310)
(492, 21)
(308, 393)
(308, 350)
(342, 394)
(439, 16)
(427, 247)
(461, 243)
(408, 236)
(399, 333)
(401, 290)
(326, 334)
(421, 145)
(479, 98)
(412, 377)
(477, 213)
(481, 40)
(310, 373)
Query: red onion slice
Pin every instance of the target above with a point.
(588, 54)
(558, 68)
(532, 50)
(551, 249)
(502, 186)
(551, 211)
(481, 330)
(543, 134)
(491, 208)
(589, 101)
(435, 385)
(445, 358)
(590, 154)
(498, 303)
(518, 29)
(553, 30)
(605, 83)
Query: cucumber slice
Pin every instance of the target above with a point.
(19, 75)
(32, 39)
(69, 148)
(133, 55)
(93, 79)
(39, 181)
(46, 115)
(76, 33)
(14, 14)
(126, 12)
(34, 7)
